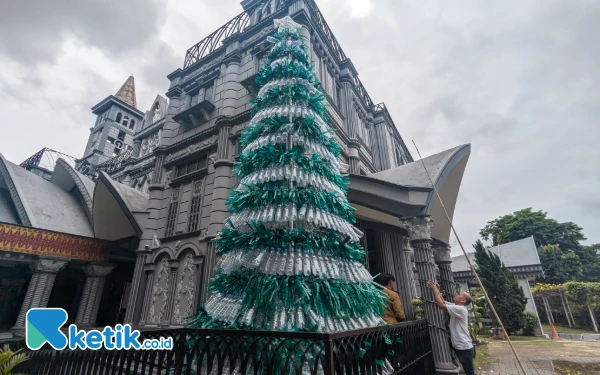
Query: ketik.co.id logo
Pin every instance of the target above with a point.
(44, 326)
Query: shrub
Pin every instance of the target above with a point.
(9, 359)
(418, 308)
(530, 321)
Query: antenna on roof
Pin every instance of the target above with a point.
(470, 263)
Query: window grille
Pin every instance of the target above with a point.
(172, 213)
(195, 207)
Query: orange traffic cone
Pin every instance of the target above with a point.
(554, 333)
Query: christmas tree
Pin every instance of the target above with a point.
(291, 259)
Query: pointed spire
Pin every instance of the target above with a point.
(127, 92)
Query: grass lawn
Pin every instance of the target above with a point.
(561, 329)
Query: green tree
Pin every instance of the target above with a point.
(590, 256)
(559, 266)
(546, 231)
(527, 223)
(502, 287)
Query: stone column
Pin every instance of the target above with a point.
(92, 293)
(222, 184)
(138, 288)
(174, 266)
(347, 104)
(442, 258)
(404, 272)
(208, 272)
(410, 266)
(420, 238)
(353, 157)
(44, 273)
(384, 246)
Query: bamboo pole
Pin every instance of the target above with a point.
(470, 264)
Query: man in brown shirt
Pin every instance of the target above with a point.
(393, 312)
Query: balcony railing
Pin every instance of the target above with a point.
(405, 347)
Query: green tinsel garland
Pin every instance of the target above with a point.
(290, 95)
(324, 240)
(305, 127)
(278, 193)
(327, 297)
(280, 155)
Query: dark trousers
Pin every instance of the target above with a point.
(465, 357)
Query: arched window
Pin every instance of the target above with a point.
(131, 124)
(119, 116)
(125, 120)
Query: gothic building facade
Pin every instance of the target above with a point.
(152, 186)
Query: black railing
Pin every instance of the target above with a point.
(399, 349)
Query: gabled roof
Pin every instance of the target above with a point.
(42, 204)
(513, 254)
(118, 210)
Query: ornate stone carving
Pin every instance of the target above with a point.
(97, 270)
(177, 245)
(238, 128)
(168, 177)
(160, 292)
(203, 234)
(186, 289)
(419, 228)
(212, 158)
(442, 255)
(149, 144)
(48, 265)
(192, 148)
(155, 242)
(286, 23)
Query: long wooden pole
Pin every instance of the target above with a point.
(471, 264)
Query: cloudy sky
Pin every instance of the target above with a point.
(518, 79)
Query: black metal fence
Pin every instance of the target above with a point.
(395, 349)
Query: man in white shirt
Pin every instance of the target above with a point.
(459, 326)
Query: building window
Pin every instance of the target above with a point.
(172, 213)
(119, 116)
(317, 63)
(329, 86)
(191, 166)
(195, 207)
(131, 124)
(125, 120)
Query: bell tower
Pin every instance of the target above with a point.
(118, 119)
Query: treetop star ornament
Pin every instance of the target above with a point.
(287, 23)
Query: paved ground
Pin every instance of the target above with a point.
(543, 357)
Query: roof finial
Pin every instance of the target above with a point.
(127, 92)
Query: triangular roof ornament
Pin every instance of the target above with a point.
(127, 92)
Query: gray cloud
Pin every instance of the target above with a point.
(34, 31)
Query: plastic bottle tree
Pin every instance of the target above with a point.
(290, 256)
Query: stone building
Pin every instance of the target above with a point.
(157, 182)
